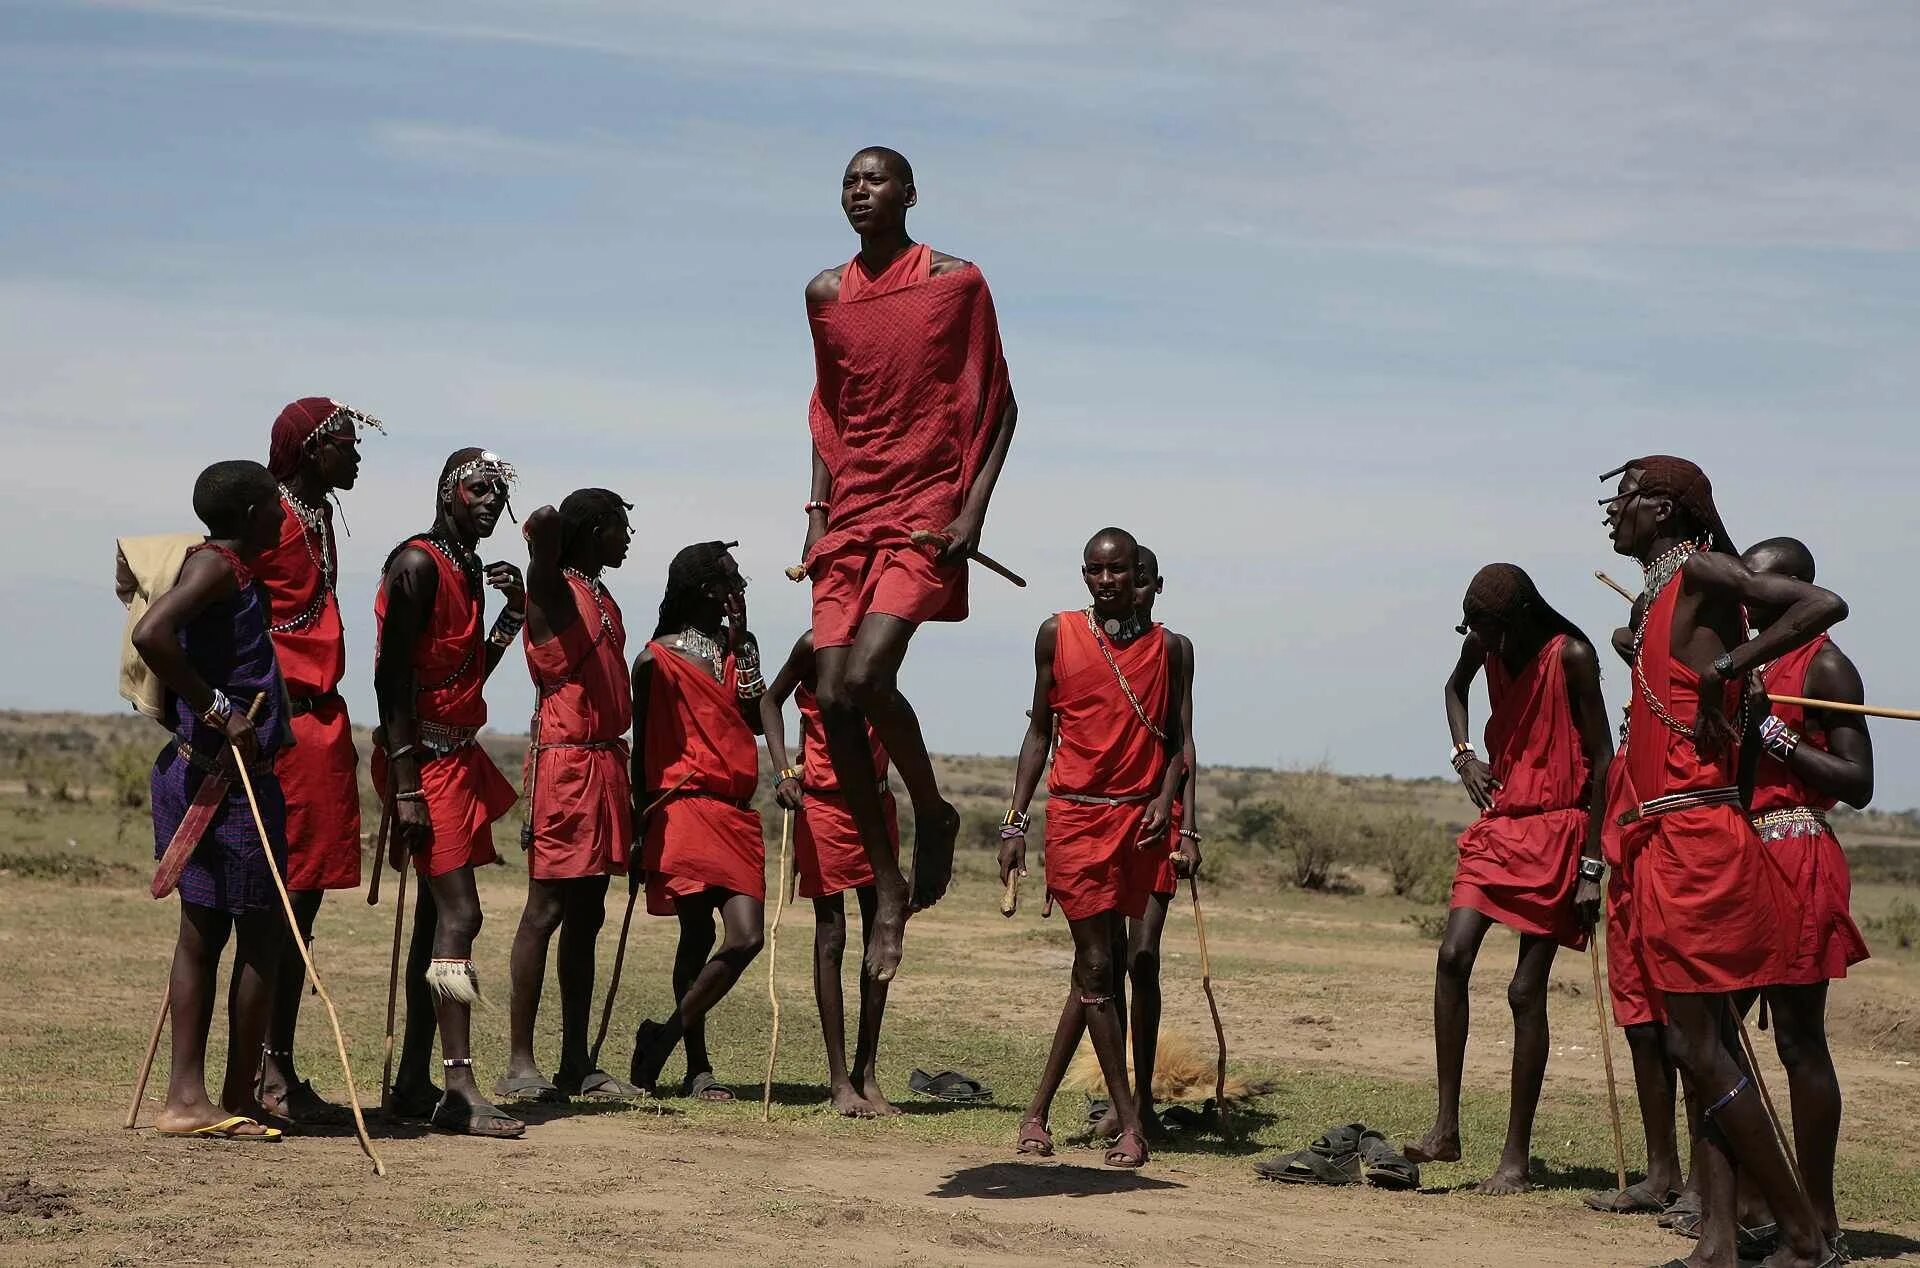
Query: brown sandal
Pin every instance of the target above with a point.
(1035, 1139)
(1128, 1159)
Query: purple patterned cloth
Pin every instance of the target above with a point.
(230, 649)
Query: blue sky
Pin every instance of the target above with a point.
(1331, 304)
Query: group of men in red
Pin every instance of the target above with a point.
(1723, 880)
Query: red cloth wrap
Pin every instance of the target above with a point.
(1829, 941)
(1150, 870)
(1715, 911)
(1635, 1000)
(910, 383)
(291, 429)
(1103, 750)
(829, 856)
(695, 843)
(465, 791)
(581, 808)
(319, 771)
(1520, 860)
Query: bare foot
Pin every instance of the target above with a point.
(180, 1119)
(886, 935)
(847, 1102)
(1507, 1180)
(876, 1099)
(934, 835)
(1435, 1146)
(1108, 1126)
(304, 1107)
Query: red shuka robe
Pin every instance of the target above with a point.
(1519, 862)
(1105, 750)
(465, 791)
(319, 770)
(1829, 942)
(827, 852)
(705, 836)
(580, 807)
(1636, 1001)
(1714, 911)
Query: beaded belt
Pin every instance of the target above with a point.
(883, 789)
(615, 746)
(1100, 799)
(299, 705)
(441, 739)
(210, 765)
(1728, 796)
(1790, 821)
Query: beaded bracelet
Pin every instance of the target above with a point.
(1191, 835)
(415, 795)
(817, 505)
(1777, 738)
(218, 710)
(791, 772)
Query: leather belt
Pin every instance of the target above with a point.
(299, 705)
(738, 803)
(1100, 799)
(442, 739)
(1728, 796)
(884, 788)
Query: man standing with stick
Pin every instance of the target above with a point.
(1717, 914)
(1532, 860)
(911, 417)
(430, 672)
(314, 452)
(579, 810)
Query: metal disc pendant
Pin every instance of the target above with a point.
(1112, 627)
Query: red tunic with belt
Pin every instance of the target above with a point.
(1636, 1001)
(1713, 909)
(580, 805)
(1104, 750)
(1519, 862)
(706, 836)
(1791, 818)
(319, 769)
(910, 383)
(465, 791)
(828, 855)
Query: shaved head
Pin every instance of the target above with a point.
(1149, 562)
(1118, 537)
(896, 162)
(1783, 557)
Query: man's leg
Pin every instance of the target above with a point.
(1735, 1137)
(1108, 1125)
(583, 913)
(412, 1078)
(742, 922)
(527, 971)
(1527, 997)
(282, 1090)
(1459, 945)
(829, 946)
(1800, 1037)
(196, 960)
(873, 1008)
(1143, 967)
(456, 926)
(1094, 975)
(1654, 1080)
(260, 937)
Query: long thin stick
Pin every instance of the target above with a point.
(393, 986)
(313, 974)
(153, 1047)
(1606, 1056)
(380, 850)
(1614, 586)
(927, 537)
(1219, 1032)
(1805, 702)
(1766, 1101)
(773, 958)
(626, 923)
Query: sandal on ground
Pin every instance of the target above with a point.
(1124, 1158)
(1035, 1139)
(1332, 1159)
(1385, 1167)
(596, 1085)
(412, 1106)
(1635, 1199)
(1179, 1119)
(527, 1087)
(704, 1087)
(304, 1107)
(1686, 1206)
(949, 1085)
(227, 1128)
(463, 1119)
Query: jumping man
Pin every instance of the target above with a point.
(579, 795)
(1532, 861)
(430, 670)
(1110, 678)
(830, 860)
(911, 417)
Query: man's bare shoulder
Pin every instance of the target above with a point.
(1578, 658)
(943, 264)
(825, 286)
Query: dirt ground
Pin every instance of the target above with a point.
(1325, 997)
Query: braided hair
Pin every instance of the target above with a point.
(687, 578)
(469, 563)
(584, 512)
(1499, 593)
(1666, 476)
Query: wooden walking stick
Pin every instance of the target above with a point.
(1606, 1057)
(773, 957)
(153, 1047)
(926, 537)
(1219, 1032)
(313, 974)
(1010, 900)
(1766, 1100)
(380, 851)
(626, 923)
(393, 986)
(1613, 585)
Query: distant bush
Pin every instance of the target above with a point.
(1430, 925)
(1901, 923)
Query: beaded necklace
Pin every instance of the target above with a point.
(1659, 575)
(313, 529)
(1126, 688)
(703, 647)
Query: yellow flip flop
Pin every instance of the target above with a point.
(226, 1129)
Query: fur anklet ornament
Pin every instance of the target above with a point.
(454, 980)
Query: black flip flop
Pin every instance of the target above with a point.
(1332, 1159)
(415, 1108)
(698, 1085)
(463, 1119)
(521, 1087)
(1385, 1167)
(1635, 1199)
(949, 1085)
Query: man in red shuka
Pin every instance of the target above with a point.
(314, 451)
(1532, 860)
(430, 671)
(911, 416)
(1110, 679)
(1809, 760)
(1717, 913)
(579, 807)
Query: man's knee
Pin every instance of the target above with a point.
(460, 923)
(1144, 968)
(868, 681)
(1455, 961)
(542, 914)
(1093, 974)
(1527, 998)
(830, 938)
(1802, 1049)
(743, 947)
